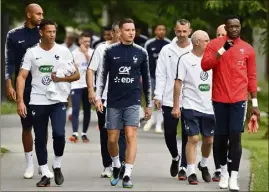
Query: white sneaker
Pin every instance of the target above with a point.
(50, 174)
(148, 125)
(224, 182)
(158, 130)
(233, 184)
(107, 173)
(29, 173)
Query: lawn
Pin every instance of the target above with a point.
(8, 107)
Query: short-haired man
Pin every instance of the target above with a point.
(234, 67)
(125, 62)
(197, 110)
(17, 42)
(154, 46)
(41, 60)
(79, 91)
(163, 94)
(94, 66)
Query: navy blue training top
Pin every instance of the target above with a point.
(125, 64)
(17, 42)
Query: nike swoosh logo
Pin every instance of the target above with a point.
(21, 41)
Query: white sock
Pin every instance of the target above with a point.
(29, 159)
(69, 111)
(75, 133)
(44, 170)
(116, 161)
(218, 170)
(234, 174)
(128, 170)
(159, 119)
(57, 162)
(190, 169)
(83, 134)
(224, 170)
(176, 158)
(204, 162)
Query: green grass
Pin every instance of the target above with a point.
(8, 107)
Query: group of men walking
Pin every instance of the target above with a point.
(201, 83)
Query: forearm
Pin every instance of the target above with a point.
(9, 83)
(20, 85)
(89, 80)
(177, 89)
(70, 78)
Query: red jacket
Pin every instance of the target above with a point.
(234, 73)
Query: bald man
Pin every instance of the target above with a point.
(17, 42)
(197, 111)
(221, 32)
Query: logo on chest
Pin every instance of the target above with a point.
(135, 59)
(45, 68)
(124, 70)
(203, 75)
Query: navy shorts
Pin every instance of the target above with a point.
(197, 122)
(230, 117)
(27, 122)
(117, 118)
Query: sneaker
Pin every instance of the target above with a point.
(85, 139)
(182, 175)
(192, 179)
(73, 138)
(158, 130)
(107, 173)
(233, 184)
(58, 176)
(126, 182)
(205, 174)
(122, 171)
(44, 182)
(114, 179)
(50, 174)
(148, 125)
(224, 181)
(216, 176)
(29, 173)
(174, 168)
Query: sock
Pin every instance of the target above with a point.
(57, 162)
(70, 111)
(218, 170)
(116, 161)
(44, 170)
(190, 169)
(176, 159)
(159, 119)
(83, 134)
(128, 170)
(234, 174)
(29, 159)
(75, 133)
(203, 162)
(224, 170)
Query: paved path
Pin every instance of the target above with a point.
(82, 164)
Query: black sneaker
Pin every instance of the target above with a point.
(58, 176)
(44, 182)
(192, 179)
(73, 138)
(85, 139)
(126, 182)
(205, 174)
(114, 179)
(182, 175)
(122, 170)
(174, 168)
(216, 176)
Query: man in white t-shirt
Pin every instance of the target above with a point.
(163, 95)
(41, 60)
(94, 66)
(197, 110)
(79, 91)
